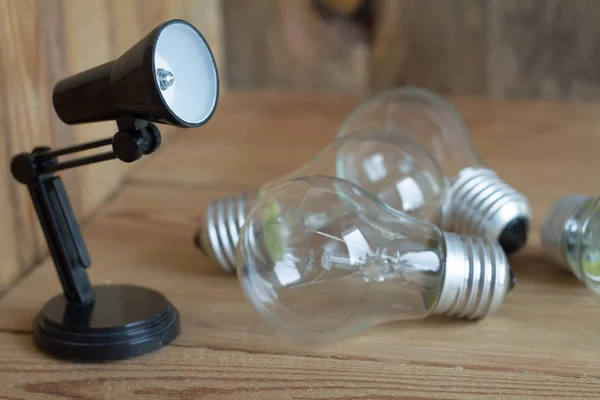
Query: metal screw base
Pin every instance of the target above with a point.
(553, 229)
(476, 279)
(218, 234)
(480, 203)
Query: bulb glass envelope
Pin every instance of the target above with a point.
(426, 117)
(321, 258)
(394, 168)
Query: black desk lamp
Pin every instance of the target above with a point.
(168, 77)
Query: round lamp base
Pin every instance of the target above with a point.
(123, 322)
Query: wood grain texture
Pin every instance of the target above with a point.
(345, 7)
(25, 122)
(9, 269)
(513, 48)
(181, 372)
(286, 45)
(531, 48)
(10, 264)
(542, 343)
(440, 45)
(42, 41)
(544, 48)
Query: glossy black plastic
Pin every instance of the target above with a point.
(123, 322)
(514, 235)
(125, 87)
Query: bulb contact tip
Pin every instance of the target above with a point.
(477, 277)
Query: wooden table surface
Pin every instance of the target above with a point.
(543, 342)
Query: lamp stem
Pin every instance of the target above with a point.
(63, 236)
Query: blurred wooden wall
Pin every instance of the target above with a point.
(502, 48)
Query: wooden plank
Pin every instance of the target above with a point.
(440, 45)
(9, 269)
(26, 122)
(544, 48)
(286, 45)
(128, 24)
(545, 332)
(191, 373)
(10, 265)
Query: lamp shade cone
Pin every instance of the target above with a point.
(169, 77)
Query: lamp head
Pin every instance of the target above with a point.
(169, 77)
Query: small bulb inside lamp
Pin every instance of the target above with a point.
(165, 78)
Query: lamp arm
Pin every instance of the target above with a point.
(55, 213)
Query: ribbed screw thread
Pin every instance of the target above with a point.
(480, 203)
(477, 277)
(218, 233)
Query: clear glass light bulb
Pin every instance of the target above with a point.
(320, 258)
(479, 201)
(571, 236)
(395, 169)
